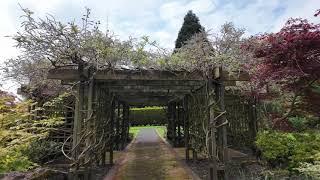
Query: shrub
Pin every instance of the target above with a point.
(14, 160)
(310, 169)
(42, 150)
(288, 149)
(298, 123)
(26, 141)
(275, 146)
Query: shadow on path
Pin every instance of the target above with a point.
(149, 158)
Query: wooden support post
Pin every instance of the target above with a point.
(123, 126)
(253, 128)
(106, 116)
(174, 124)
(128, 122)
(179, 115)
(221, 122)
(213, 166)
(111, 145)
(89, 115)
(78, 118)
(186, 126)
(222, 131)
(117, 127)
(170, 121)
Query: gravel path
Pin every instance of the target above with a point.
(149, 158)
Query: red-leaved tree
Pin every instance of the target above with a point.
(290, 57)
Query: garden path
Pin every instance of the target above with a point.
(149, 157)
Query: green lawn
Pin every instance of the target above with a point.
(160, 129)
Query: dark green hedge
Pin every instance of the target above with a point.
(147, 116)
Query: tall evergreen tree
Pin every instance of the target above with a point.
(190, 26)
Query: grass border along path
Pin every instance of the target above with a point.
(161, 130)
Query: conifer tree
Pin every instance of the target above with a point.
(190, 26)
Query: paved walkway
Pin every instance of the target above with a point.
(149, 158)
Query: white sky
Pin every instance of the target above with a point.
(159, 19)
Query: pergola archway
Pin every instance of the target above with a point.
(103, 98)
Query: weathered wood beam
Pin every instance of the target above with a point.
(72, 74)
(155, 91)
(170, 84)
(110, 83)
(150, 88)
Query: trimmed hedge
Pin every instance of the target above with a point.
(147, 116)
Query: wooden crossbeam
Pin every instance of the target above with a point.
(150, 88)
(121, 74)
(72, 74)
(154, 92)
(150, 82)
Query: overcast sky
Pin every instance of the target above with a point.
(159, 19)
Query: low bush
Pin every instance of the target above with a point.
(289, 149)
(147, 116)
(14, 160)
(41, 151)
(25, 139)
(310, 169)
(298, 123)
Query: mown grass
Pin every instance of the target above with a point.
(160, 129)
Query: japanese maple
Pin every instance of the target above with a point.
(289, 58)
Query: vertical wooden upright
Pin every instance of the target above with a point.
(186, 126)
(179, 118)
(78, 115)
(111, 131)
(117, 138)
(174, 123)
(127, 121)
(124, 125)
(253, 126)
(170, 121)
(222, 130)
(212, 144)
(222, 150)
(90, 114)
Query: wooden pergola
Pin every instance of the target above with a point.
(103, 98)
